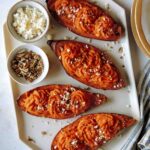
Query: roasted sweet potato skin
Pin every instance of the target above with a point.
(58, 101)
(91, 131)
(88, 64)
(85, 19)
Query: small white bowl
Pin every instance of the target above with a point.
(24, 4)
(38, 51)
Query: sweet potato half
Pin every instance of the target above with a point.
(58, 101)
(88, 64)
(91, 131)
(85, 19)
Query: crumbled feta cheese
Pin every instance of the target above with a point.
(29, 22)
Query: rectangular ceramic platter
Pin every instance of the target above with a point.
(30, 126)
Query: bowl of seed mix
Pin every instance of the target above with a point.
(28, 64)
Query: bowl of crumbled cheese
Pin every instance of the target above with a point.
(28, 21)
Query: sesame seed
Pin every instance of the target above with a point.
(61, 49)
(90, 70)
(74, 142)
(95, 127)
(86, 46)
(62, 102)
(97, 95)
(97, 74)
(104, 141)
(95, 143)
(114, 86)
(55, 147)
(72, 89)
(63, 110)
(40, 107)
(68, 50)
(83, 103)
(59, 57)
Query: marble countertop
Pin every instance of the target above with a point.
(8, 130)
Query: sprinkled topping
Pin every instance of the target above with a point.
(76, 133)
(90, 70)
(97, 74)
(63, 110)
(68, 50)
(67, 106)
(98, 138)
(83, 103)
(86, 46)
(96, 127)
(97, 95)
(104, 142)
(66, 95)
(55, 146)
(72, 89)
(61, 49)
(62, 102)
(40, 107)
(59, 57)
(74, 142)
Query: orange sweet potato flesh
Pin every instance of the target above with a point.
(88, 64)
(85, 19)
(91, 131)
(59, 101)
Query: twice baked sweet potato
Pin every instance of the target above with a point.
(58, 101)
(85, 19)
(91, 131)
(88, 64)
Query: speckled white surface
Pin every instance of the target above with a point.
(8, 132)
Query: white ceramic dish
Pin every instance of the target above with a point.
(32, 48)
(21, 4)
(122, 101)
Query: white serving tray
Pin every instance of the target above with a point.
(31, 126)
